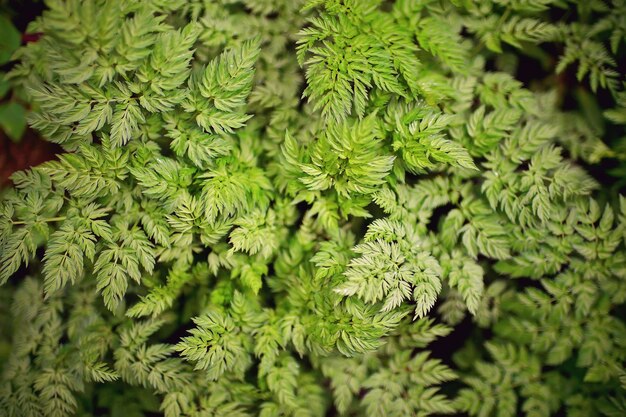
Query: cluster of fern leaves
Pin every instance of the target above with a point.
(273, 207)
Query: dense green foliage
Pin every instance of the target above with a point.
(274, 207)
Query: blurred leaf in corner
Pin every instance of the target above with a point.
(13, 120)
(4, 85)
(9, 39)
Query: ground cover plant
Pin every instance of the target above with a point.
(319, 208)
